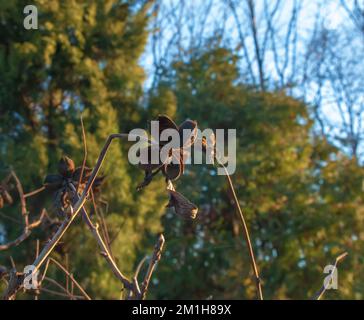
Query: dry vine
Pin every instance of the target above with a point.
(78, 185)
(16, 278)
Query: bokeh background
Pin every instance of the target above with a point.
(287, 74)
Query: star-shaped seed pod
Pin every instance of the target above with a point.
(60, 184)
(172, 163)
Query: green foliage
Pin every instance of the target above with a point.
(302, 197)
(82, 59)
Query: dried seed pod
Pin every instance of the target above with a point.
(165, 122)
(182, 206)
(62, 201)
(173, 159)
(148, 154)
(176, 166)
(1, 201)
(53, 181)
(85, 174)
(66, 167)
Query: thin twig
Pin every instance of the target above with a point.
(34, 192)
(323, 289)
(77, 207)
(101, 219)
(10, 218)
(153, 262)
(56, 293)
(19, 187)
(26, 233)
(139, 267)
(84, 155)
(27, 228)
(246, 232)
(94, 228)
(59, 265)
(54, 282)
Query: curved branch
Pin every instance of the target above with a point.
(246, 232)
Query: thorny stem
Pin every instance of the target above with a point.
(246, 232)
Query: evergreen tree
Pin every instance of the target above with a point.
(83, 58)
(302, 207)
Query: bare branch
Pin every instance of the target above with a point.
(246, 232)
(323, 289)
(152, 264)
(70, 276)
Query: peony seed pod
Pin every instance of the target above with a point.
(182, 206)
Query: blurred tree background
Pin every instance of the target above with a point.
(120, 64)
